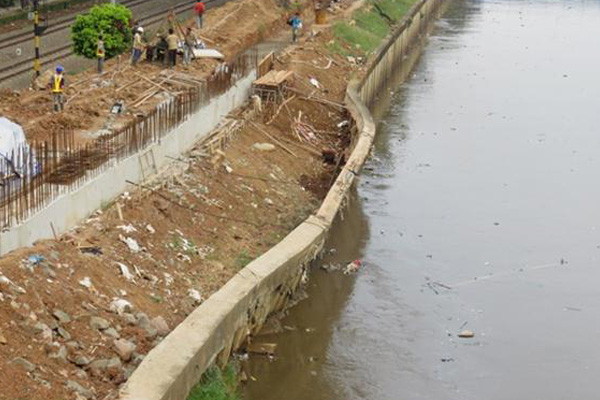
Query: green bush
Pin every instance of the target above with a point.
(110, 20)
(7, 3)
(217, 385)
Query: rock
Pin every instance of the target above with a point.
(80, 390)
(111, 367)
(44, 330)
(160, 325)
(263, 146)
(137, 359)
(81, 361)
(72, 344)
(97, 366)
(467, 334)
(63, 333)
(129, 319)
(61, 354)
(124, 348)
(3, 339)
(81, 374)
(112, 332)
(61, 316)
(99, 323)
(23, 363)
(142, 320)
(151, 332)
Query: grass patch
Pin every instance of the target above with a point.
(368, 28)
(243, 259)
(217, 385)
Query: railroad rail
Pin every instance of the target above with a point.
(60, 24)
(25, 66)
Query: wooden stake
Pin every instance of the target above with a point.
(119, 211)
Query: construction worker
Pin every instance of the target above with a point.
(199, 9)
(173, 44)
(138, 45)
(57, 87)
(189, 41)
(101, 54)
(296, 23)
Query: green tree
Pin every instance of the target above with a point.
(110, 20)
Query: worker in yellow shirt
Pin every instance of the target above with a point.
(172, 45)
(138, 45)
(57, 87)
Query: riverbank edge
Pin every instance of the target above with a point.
(223, 322)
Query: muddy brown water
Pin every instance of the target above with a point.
(478, 210)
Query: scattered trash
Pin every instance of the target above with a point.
(194, 294)
(466, 334)
(352, 267)
(86, 282)
(131, 243)
(315, 83)
(343, 124)
(127, 228)
(331, 267)
(36, 259)
(262, 348)
(120, 306)
(118, 107)
(444, 360)
(263, 146)
(94, 250)
(125, 271)
(435, 286)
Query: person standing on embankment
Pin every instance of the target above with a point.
(172, 43)
(101, 54)
(296, 23)
(138, 45)
(199, 9)
(57, 87)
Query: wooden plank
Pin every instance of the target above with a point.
(262, 348)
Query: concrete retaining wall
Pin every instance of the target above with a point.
(68, 210)
(221, 323)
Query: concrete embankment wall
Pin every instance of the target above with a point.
(221, 324)
(69, 209)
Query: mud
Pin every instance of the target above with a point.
(477, 211)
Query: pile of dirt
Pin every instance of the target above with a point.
(78, 314)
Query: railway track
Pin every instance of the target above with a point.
(60, 24)
(25, 66)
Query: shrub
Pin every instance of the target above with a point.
(7, 3)
(110, 20)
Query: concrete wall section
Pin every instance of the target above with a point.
(68, 210)
(221, 324)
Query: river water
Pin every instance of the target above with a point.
(478, 210)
